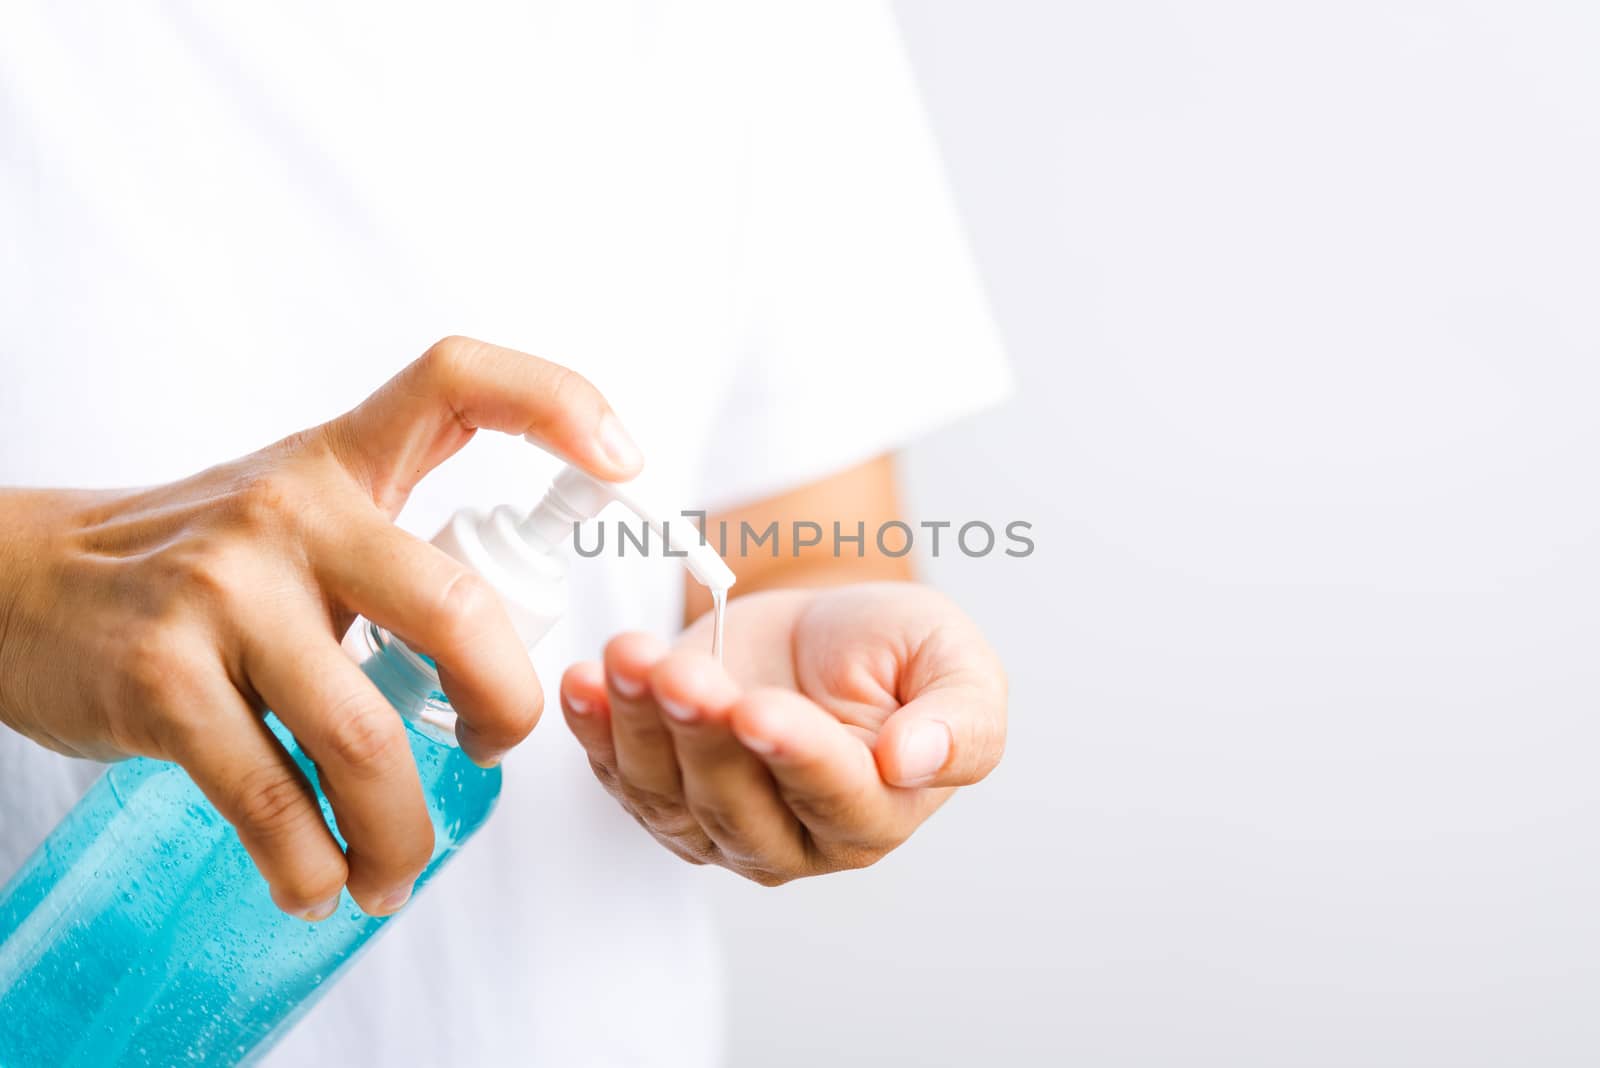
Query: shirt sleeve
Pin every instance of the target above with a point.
(864, 321)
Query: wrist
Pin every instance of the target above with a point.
(12, 549)
(11, 554)
(25, 520)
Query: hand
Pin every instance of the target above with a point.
(159, 622)
(844, 718)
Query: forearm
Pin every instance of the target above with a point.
(10, 575)
(26, 517)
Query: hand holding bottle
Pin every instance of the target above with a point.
(843, 718)
(160, 622)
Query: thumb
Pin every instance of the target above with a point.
(949, 735)
(426, 413)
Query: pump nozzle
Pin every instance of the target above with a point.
(521, 558)
(576, 496)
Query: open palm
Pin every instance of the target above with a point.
(840, 720)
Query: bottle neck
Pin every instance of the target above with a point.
(410, 682)
(551, 523)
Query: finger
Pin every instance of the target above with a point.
(950, 735)
(648, 782)
(588, 714)
(419, 418)
(254, 783)
(439, 606)
(824, 774)
(729, 792)
(586, 700)
(646, 762)
(363, 760)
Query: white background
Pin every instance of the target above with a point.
(1304, 769)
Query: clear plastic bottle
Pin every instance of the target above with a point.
(141, 934)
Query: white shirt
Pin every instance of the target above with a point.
(221, 223)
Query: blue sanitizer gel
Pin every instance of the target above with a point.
(140, 933)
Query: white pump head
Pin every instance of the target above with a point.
(575, 496)
(521, 558)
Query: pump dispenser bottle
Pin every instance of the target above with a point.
(139, 933)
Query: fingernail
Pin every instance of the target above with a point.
(395, 901)
(627, 687)
(756, 744)
(681, 713)
(472, 744)
(617, 445)
(923, 751)
(318, 913)
(578, 706)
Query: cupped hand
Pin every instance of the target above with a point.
(160, 622)
(841, 720)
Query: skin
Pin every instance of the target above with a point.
(159, 622)
(845, 714)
